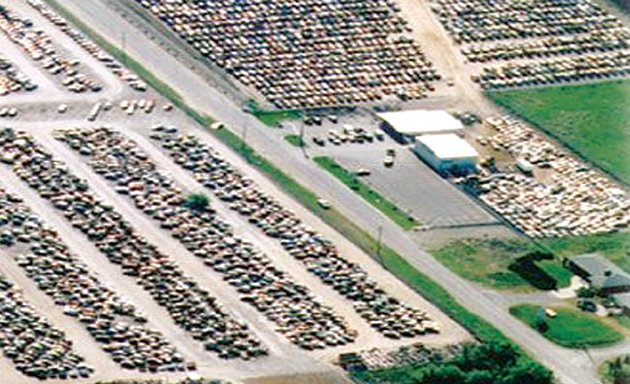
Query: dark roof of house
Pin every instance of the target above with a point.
(602, 272)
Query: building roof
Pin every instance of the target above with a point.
(448, 146)
(602, 272)
(418, 122)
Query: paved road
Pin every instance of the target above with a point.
(572, 367)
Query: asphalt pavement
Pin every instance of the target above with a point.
(571, 367)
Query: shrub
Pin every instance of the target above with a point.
(197, 201)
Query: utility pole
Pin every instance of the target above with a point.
(124, 48)
(302, 142)
(378, 246)
(244, 142)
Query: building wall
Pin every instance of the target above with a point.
(394, 134)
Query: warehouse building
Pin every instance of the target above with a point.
(447, 153)
(405, 126)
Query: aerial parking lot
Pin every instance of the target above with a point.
(152, 228)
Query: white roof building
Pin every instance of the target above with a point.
(419, 122)
(448, 146)
(447, 153)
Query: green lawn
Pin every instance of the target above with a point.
(274, 118)
(295, 140)
(593, 120)
(614, 246)
(368, 194)
(571, 328)
(488, 261)
(555, 269)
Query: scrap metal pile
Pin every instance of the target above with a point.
(574, 200)
(305, 53)
(383, 312)
(294, 310)
(191, 307)
(540, 41)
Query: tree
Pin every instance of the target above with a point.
(445, 374)
(487, 356)
(586, 292)
(197, 201)
(480, 377)
(528, 372)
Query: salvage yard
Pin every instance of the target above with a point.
(244, 319)
(109, 272)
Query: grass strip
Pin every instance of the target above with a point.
(275, 118)
(378, 201)
(295, 140)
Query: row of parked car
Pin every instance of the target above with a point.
(35, 347)
(41, 49)
(294, 310)
(191, 307)
(537, 42)
(388, 315)
(113, 322)
(12, 80)
(90, 46)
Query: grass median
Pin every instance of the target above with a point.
(377, 200)
(391, 260)
(295, 140)
(275, 118)
(570, 328)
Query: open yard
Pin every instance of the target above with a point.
(502, 264)
(570, 328)
(592, 120)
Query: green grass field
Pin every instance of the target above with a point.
(571, 328)
(368, 194)
(487, 261)
(593, 120)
